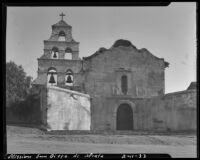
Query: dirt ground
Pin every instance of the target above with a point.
(30, 140)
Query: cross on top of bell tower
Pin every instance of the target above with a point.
(62, 15)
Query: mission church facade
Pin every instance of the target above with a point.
(123, 86)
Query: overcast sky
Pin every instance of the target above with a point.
(167, 32)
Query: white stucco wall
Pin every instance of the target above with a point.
(67, 109)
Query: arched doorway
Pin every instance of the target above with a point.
(124, 117)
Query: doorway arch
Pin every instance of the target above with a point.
(124, 119)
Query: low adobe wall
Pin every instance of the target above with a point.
(65, 109)
(171, 112)
(70, 110)
(174, 111)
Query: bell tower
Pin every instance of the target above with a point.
(61, 44)
(60, 64)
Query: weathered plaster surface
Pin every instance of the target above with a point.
(99, 76)
(171, 112)
(67, 110)
(144, 71)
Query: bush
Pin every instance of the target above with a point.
(22, 102)
(17, 83)
(26, 111)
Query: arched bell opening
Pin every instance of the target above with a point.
(69, 78)
(54, 53)
(61, 36)
(68, 53)
(52, 76)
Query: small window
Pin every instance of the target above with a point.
(124, 84)
(69, 78)
(52, 77)
(68, 53)
(61, 36)
(54, 53)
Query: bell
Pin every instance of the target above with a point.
(69, 79)
(69, 73)
(52, 80)
(54, 55)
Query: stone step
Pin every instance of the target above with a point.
(83, 132)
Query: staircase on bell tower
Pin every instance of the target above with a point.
(61, 44)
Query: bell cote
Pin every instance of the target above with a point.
(61, 39)
(61, 31)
